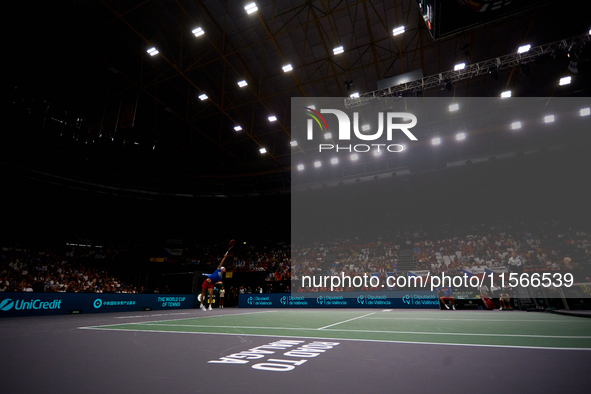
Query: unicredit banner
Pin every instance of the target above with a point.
(35, 304)
(384, 300)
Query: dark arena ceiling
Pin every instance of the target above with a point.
(90, 108)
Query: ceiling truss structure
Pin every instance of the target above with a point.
(94, 57)
(498, 64)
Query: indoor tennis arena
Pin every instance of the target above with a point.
(342, 196)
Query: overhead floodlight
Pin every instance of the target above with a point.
(523, 48)
(327, 136)
(565, 81)
(365, 127)
(153, 51)
(293, 143)
(454, 107)
(287, 68)
(203, 97)
(585, 111)
(506, 94)
(516, 125)
(263, 150)
(436, 141)
(237, 128)
(338, 50)
(317, 164)
(460, 66)
(300, 167)
(242, 83)
(334, 160)
(460, 136)
(250, 8)
(272, 118)
(198, 32)
(548, 118)
(354, 95)
(398, 30)
(354, 157)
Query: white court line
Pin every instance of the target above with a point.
(345, 321)
(376, 331)
(188, 318)
(161, 314)
(342, 339)
(479, 320)
(237, 327)
(466, 334)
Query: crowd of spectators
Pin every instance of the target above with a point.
(450, 247)
(27, 270)
(516, 245)
(80, 269)
(349, 257)
(276, 262)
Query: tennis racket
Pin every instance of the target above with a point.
(230, 245)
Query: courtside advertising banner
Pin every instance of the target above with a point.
(35, 304)
(422, 300)
(397, 195)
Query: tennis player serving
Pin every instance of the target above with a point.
(212, 280)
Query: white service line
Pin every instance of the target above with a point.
(345, 321)
(161, 314)
(235, 327)
(374, 331)
(466, 334)
(479, 320)
(340, 339)
(186, 318)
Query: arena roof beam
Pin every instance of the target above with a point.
(470, 71)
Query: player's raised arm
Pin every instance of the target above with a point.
(222, 262)
(230, 246)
